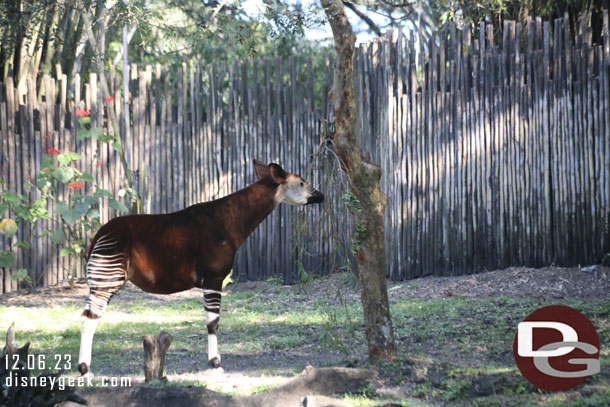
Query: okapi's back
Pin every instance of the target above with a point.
(131, 228)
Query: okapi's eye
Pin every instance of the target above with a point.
(302, 183)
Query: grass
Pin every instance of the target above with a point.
(453, 351)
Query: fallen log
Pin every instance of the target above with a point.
(325, 381)
(314, 387)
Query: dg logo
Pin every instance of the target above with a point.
(556, 348)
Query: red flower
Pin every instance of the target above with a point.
(109, 99)
(52, 151)
(99, 164)
(81, 113)
(46, 170)
(76, 185)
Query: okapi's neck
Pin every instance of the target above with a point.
(245, 209)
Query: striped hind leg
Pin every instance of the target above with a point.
(211, 299)
(106, 274)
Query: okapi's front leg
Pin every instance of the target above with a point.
(211, 300)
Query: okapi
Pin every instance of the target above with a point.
(194, 247)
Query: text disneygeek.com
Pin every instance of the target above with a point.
(62, 382)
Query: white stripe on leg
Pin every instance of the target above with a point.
(211, 319)
(88, 327)
(213, 347)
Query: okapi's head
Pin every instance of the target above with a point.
(291, 188)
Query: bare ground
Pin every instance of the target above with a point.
(548, 282)
(268, 369)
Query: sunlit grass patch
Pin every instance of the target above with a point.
(452, 351)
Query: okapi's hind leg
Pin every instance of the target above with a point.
(106, 274)
(211, 299)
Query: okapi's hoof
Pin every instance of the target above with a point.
(84, 370)
(215, 363)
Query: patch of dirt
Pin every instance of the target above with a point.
(76, 294)
(549, 282)
(266, 369)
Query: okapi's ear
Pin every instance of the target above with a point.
(277, 173)
(261, 169)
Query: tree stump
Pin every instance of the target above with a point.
(154, 355)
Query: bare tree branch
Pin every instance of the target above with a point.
(363, 17)
(396, 4)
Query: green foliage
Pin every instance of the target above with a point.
(79, 213)
(335, 327)
(6, 259)
(22, 275)
(357, 238)
(351, 202)
(228, 280)
(261, 320)
(494, 12)
(8, 227)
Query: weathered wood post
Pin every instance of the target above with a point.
(154, 355)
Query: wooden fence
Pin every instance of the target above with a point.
(492, 154)
(193, 137)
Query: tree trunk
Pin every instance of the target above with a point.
(365, 178)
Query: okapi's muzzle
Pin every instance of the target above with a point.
(316, 197)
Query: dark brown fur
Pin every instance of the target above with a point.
(194, 247)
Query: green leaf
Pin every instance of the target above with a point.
(84, 120)
(65, 251)
(91, 200)
(63, 159)
(67, 158)
(63, 174)
(20, 274)
(117, 146)
(12, 198)
(6, 259)
(88, 177)
(58, 236)
(46, 162)
(93, 214)
(83, 134)
(61, 208)
(228, 280)
(87, 133)
(3, 207)
(114, 204)
(8, 227)
(42, 182)
(82, 207)
(71, 216)
(100, 193)
(23, 245)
